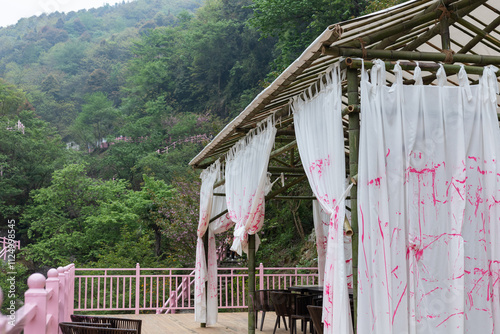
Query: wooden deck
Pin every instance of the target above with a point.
(184, 323)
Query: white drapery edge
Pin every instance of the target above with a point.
(220, 225)
(320, 140)
(321, 226)
(489, 88)
(208, 178)
(243, 163)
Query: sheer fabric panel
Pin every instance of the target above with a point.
(321, 226)
(320, 139)
(220, 225)
(208, 178)
(429, 206)
(246, 179)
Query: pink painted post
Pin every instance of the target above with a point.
(173, 302)
(52, 287)
(185, 287)
(67, 294)
(62, 294)
(36, 295)
(71, 292)
(137, 286)
(67, 301)
(261, 276)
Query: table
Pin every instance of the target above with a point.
(307, 289)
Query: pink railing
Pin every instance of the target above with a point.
(46, 303)
(182, 291)
(8, 247)
(170, 290)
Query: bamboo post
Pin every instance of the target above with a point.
(445, 29)
(353, 99)
(205, 245)
(251, 283)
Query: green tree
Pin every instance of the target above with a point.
(96, 121)
(296, 23)
(75, 217)
(30, 150)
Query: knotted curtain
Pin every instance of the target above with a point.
(429, 205)
(246, 179)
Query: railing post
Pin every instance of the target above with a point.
(71, 291)
(173, 299)
(68, 301)
(62, 292)
(137, 286)
(67, 293)
(185, 287)
(261, 278)
(52, 287)
(36, 295)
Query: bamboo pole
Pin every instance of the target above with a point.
(407, 66)
(269, 196)
(479, 32)
(279, 169)
(409, 55)
(205, 246)
(354, 128)
(296, 197)
(283, 149)
(251, 283)
(445, 29)
(274, 153)
(407, 25)
(473, 42)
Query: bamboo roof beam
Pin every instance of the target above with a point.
(269, 196)
(274, 153)
(410, 55)
(486, 43)
(450, 69)
(408, 25)
(482, 34)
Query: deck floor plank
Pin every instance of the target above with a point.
(184, 323)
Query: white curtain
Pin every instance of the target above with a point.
(320, 139)
(321, 226)
(429, 206)
(208, 178)
(222, 224)
(246, 179)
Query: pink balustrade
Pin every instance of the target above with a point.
(51, 300)
(170, 290)
(47, 302)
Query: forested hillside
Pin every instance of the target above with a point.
(102, 109)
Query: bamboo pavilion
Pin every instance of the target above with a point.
(430, 35)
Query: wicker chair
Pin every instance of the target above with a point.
(263, 303)
(301, 313)
(120, 323)
(75, 328)
(284, 306)
(316, 313)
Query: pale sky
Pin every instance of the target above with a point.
(12, 10)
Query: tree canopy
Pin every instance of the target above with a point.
(101, 110)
